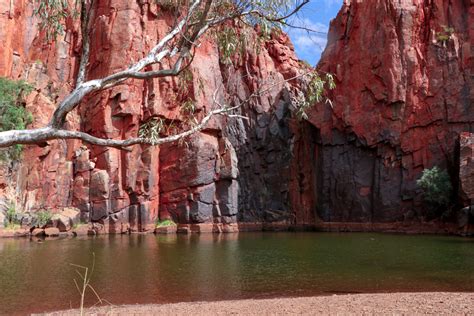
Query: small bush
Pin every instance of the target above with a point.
(11, 213)
(12, 221)
(444, 35)
(13, 115)
(43, 217)
(436, 186)
(165, 223)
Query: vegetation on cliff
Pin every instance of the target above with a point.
(13, 115)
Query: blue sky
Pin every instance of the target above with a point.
(316, 15)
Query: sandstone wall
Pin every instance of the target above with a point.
(403, 97)
(466, 172)
(45, 176)
(235, 169)
(404, 94)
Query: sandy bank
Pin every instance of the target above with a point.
(391, 303)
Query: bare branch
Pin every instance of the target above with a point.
(283, 18)
(155, 55)
(42, 135)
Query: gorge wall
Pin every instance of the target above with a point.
(201, 180)
(404, 94)
(403, 97)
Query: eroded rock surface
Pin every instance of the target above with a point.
(466, 170)
(404, 94)
(236, 169)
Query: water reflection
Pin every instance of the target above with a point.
(36, 277)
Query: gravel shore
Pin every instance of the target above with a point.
(441, 303)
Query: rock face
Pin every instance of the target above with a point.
(212, 177)
(404, 94)
(466, 171)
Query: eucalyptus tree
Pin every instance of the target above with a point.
(193, 19)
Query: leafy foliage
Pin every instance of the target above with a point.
(11, 214)
(151, 129)
(11, 218)
(188, 107)
(52, 15)
(436, 186)
(227, 40)
(312, 92)
(13, 115)
(165, 223)
(445, 34)
(43, 217)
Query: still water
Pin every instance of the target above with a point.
(37, 276)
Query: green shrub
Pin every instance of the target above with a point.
(437, 187)
(11, 213)
(444, 35)
(43, 217)
(12, 221)
(13, 114)
(164, 223)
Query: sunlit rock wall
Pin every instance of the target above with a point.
(236, 169)
(403, 72)
(404, 94)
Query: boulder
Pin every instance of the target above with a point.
(81, 192)
(22, 232)
(51, 232)
(186, 165)
(82, 162)
(170, 229)
(205, 194)
(65, 220)
(37, 232)
(81, 230)
(464, 216)
(99, 185)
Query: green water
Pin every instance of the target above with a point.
(36, 277)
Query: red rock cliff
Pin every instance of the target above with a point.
(404, 94)
(194, 182)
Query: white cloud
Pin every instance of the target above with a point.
(310, 38)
